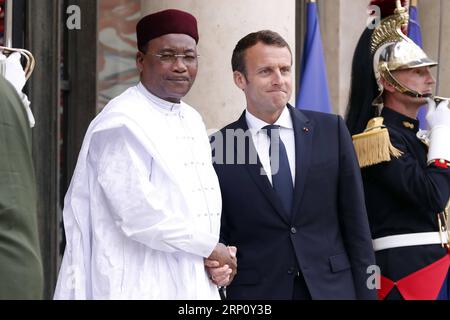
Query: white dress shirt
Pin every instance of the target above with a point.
(262, 141)
(143, 207)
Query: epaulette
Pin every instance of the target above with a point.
(374, 146)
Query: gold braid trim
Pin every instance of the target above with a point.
(374, 146)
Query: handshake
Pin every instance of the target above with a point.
(222, 264)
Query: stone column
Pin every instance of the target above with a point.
(435, 23)
(342, 23)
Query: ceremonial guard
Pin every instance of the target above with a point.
(405, 171)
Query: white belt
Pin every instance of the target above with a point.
(410, 239)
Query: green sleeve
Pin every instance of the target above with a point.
(20, 259)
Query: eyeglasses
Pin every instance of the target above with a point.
(171, 58)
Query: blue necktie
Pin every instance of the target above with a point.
(281, 172)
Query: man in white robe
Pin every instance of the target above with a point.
(142, 212)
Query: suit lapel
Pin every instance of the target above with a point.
(257, 172)
(303, 132)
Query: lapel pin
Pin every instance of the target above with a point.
(305, 130)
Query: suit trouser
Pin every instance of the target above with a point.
(301, 291)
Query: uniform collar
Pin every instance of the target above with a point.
(163, 104)
(399, 120)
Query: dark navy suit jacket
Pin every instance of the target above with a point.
(327, 239)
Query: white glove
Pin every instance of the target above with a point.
(438, 119)
(2, 64)
(14, 72)
(424, 136)
(26, 104)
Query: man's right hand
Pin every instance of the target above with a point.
(222, 255)
(222, 274)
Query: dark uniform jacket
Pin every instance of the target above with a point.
(404, 196)
(326, 238)
(20, 259)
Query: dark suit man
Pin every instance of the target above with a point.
(294, 208)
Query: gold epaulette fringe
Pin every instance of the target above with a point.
(374, 146)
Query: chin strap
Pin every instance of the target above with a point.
(387, 75)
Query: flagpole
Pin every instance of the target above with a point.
(8, 23)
